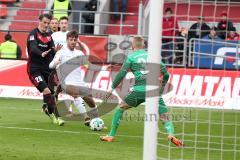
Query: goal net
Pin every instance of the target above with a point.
(203, 94)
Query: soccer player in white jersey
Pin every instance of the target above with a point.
(73, 83)
(60, 38)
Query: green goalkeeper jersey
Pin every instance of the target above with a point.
(136, 63)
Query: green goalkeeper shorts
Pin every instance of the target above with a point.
(135, 98)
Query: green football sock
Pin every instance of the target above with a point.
(116, 121)
(168, 125)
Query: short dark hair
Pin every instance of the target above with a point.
(73, 34)
(46, 15)
(63, 18)
(8, 37)
(168, 10)
(201, 17)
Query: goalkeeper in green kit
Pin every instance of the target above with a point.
(136, 63)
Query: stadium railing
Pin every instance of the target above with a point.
(109, 48)
(74, 25)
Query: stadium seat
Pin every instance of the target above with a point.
(17, 26)
(29, 18)
(25, 23)
(27, 15)
(28, 12)
(30, 4)
(8, 1)
(132, 9)
(125, 30)
(3, 10)
(129, 20)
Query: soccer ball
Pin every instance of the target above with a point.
(96, 124)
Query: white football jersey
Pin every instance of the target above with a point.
(63, 55)
(60, 38)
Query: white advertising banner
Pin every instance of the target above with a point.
(187, 88)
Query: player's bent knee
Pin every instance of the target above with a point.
(71, 90)
(76, 90)
(164, 117)
(74, 96)
(89, 100)
(124, 106)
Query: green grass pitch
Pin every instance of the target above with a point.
(27, 134)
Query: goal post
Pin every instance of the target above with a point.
(154, 48)
(203, 93)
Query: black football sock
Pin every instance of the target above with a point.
(45, 109)
(55, 111)
(50, 101)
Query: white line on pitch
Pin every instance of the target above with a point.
(60, 131)
(18, 108)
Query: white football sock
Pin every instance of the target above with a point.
(68, 104)
(80, 105)
(78, 102)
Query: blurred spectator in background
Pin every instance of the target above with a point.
(224, 25)
(170, 29)
(10, 49)
(53, 27)
(61, 8)
(233, 35)
(180, 44)
(213, 34)
(199, 29)
(116, 8)
(90, 17)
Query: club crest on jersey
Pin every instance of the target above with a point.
(39, 37)
(44, 39)
(49, 38)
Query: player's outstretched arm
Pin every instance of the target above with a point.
(55, 61)
(122, 73)
(92, 66)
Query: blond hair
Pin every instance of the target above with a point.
(138, 42)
